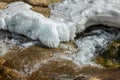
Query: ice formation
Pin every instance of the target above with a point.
(84, 13)
(67, 18)
(19, 18)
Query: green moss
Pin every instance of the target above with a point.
(110, 58)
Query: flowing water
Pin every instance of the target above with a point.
(93, 41)
(9, 40)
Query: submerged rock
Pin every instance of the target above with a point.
(110, 58)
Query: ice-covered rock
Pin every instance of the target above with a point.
(85, 13)
(19, 18)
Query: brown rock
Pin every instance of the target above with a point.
(3, 5)
(100, 73)
(56, 70)
(110, 58)
(34, 60)
(2, 61)
(8, 74)
(29, 56)
(9, 1)
(94, 78)
(38, 63)
(43, 10)
(41, 2)
(86, 78)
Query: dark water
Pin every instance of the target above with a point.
(93, 42)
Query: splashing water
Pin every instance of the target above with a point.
(90, 43)
(10, 40)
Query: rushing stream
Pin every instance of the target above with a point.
(92, 41)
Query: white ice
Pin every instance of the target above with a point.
(19, 18)
(68, 17)
(84, 13)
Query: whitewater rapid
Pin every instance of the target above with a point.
(91, 43)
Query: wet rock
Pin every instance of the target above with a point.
(110, 58)
(40, 64)
(94, 78)
(100, 73)
(3, 5)
(56, 70)
(8, 74)
(41, 2)
(43, 10)
(2, 61)
(83, 77)
(33, 55)
(9, 1)
(44, 3)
